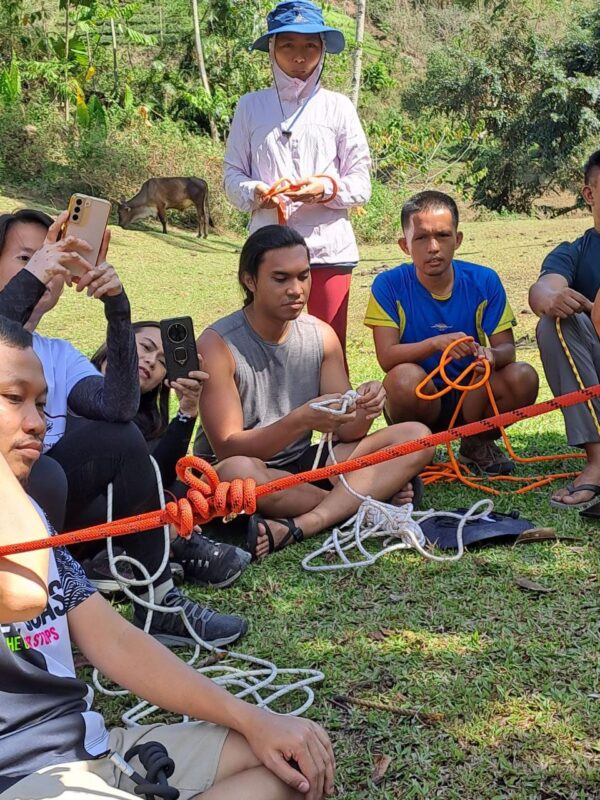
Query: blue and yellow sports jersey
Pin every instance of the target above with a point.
(477, 306)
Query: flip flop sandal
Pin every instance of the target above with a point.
(294, 533)
(585, 504)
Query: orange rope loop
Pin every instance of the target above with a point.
(457, 382)
(208, 498)
(454, 471)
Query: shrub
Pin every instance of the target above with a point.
(535, 115)
(380, 219)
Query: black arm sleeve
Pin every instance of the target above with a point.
(20, 296)
(172, 446)
(116, 396)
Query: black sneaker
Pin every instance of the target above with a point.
(98, 571)
(210, 626)
(209, 563)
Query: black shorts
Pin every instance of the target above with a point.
(305, 462)
(448, 406)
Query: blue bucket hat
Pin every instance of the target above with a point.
(299, 16)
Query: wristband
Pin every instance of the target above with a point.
(182, 417)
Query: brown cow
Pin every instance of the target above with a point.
(158, 194)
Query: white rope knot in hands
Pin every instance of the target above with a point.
(396, 525)
(348, 399)
(344, 402)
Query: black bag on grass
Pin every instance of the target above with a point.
(494, 528)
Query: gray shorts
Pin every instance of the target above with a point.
(195, 747)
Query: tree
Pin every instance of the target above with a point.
(535, 115)
(202, 67)
(361, 11)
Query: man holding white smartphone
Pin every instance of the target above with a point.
(34, 265)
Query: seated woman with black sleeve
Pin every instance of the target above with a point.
(204, 561)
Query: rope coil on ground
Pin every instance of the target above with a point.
(398, 526)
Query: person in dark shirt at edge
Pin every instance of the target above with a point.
(564, 295)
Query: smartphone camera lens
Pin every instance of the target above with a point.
(78, 201)
(75, 217)
(177, 333)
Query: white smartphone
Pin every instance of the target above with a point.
(88, 218)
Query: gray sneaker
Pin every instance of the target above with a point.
(484, 456)
(207, 562)
(210, 626)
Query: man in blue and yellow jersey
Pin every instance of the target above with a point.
(416, 310)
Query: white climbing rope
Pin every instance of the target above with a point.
(398, 526)
(246, 676)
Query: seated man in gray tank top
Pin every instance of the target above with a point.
(267, 363)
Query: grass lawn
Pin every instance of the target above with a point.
(513, 676)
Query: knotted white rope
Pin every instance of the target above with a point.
(263, 682)
(398, 526)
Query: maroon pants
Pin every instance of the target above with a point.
(328, 299)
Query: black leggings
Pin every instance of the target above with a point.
(93, 454)
(47, 484)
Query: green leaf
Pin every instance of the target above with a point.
(128, 99)
(97, 116)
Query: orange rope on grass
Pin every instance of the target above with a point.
(211, 498)
(452, 470)
(283, 185)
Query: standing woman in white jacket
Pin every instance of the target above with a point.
(311, 136)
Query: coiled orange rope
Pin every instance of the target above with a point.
(283, 185)
(211, 498)
(453, 470)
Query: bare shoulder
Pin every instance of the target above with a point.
(328, 335)
(214, 351)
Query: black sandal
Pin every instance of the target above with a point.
(418, 491)
(294, 533)
(585, 504)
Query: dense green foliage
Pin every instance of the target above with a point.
(499, 101)
(534, 105)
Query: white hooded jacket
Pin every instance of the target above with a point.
(326, 137)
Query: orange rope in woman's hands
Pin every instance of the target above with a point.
(284, 185)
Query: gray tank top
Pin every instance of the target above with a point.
(274, 379)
